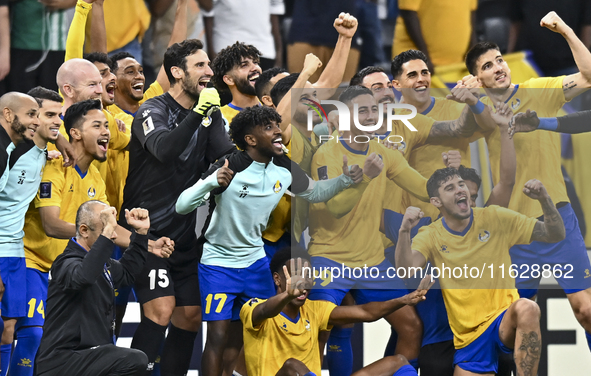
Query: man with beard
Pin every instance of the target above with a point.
(538, 155)
(26, 168)
(171, 147)
(19, 122)
(235, 70)
(485, 313)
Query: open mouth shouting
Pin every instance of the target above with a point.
(203, 82)
(103, 143)
(278, 143)
(110, 89)
(252, 78)
(462, 202)
(138, 88)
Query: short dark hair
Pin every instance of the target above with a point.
(403, 58)
(439, 177)
(249, 118)
(353, 92)
(74, 116)
(284, 255)
(119, 56)
(475, 52)
(176, 56)
(99, 57)
(40, 94)
(357, 79)
(470, 174)
(282, 87)
(230, 57)
(262, 86)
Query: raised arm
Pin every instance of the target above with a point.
(4, 42)
(179, 34)
(573, 84)
(332, 75)
(501, 192)
(578, 122)
(405, 256)
(551, 229)
(132, 262)
(373, 311)
(412, 182)
(76, 33)
(194, 196)
(98, 30)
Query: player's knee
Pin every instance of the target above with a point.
(295, 366)
(30, 334)
(217, 335)
(8, 333)
(395, 362)
(583, 312)
(160, 315)
(411, 327)
(138, 360)
(527, 311)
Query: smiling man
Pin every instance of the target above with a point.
(236, 69)
(233, 252)
(175, 137)
(26, 168)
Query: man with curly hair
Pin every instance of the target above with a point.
(235, 70)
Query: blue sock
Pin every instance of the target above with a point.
(339, 353)
(23, 357)
(415, 363)
(391, 346)
(588, 335)
(5, 358)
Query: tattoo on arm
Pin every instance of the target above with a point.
(464, 126)
(552, 229)
(530, 350)
(569, 85)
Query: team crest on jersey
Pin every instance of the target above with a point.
(515, 103)
(91, 192)
(71, 188)
(444, 249)
(322, 173)
(308, 325)
(148, 125)
(45, 190)
(244, 191)
(401, 146)
(277, 187)
(483, 236)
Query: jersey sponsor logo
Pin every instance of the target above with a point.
(148, 125)
(71, 188)
(587, 273)
(323, 173)
(22, 176)
(45, 190)
(284, 327)
(277, 187)
(515, 103)
(244, 191)
(91, 192)
(483, 236)
(146, 113)
(25, 363)
(443, 249)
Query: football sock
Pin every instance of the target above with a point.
(339, 353)
(23, 357)
(178, 348)
(148, 337)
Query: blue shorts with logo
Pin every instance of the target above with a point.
(122, 293)
(482, 355)
(365, 288)
(13, 273)
(225, 290)
(36, 299)
(567, 259)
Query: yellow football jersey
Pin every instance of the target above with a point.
(427, 158)
(269, 345)
(538, 152)
(67, 188)
(354, 239)
(474, 300)
(229, 111)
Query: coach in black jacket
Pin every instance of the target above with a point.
(78, 332)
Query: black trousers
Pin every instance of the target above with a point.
(105, 360)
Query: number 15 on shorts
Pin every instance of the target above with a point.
(162, 278)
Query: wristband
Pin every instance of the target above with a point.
(549, 124)
(477, 108)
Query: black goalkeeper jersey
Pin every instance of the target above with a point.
(168, 152)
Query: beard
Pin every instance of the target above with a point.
(191, 87)
(18, 127)
(244, 86)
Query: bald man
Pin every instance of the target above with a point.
(19, 121)
(78, 80)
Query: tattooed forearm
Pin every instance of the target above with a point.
(551, 230)
(569, 85)
(528, 356)
(464, 126)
